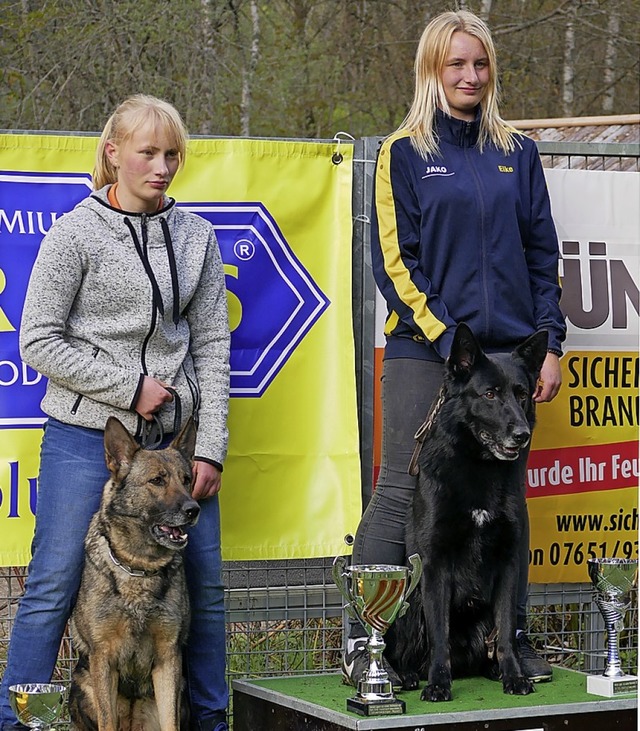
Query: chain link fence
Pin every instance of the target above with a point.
(286, 617)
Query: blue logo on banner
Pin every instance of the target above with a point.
(273, 300)
(278, 299)
(29, 204)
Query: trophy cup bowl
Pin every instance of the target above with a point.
(376, 595)
(613, 580)
(36, 705)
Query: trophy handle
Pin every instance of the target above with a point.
(415, 572)
(339, 576)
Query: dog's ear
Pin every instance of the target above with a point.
(119, 447)
(533, 351)
(185, 442)
(465, 351)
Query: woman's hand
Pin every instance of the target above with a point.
(207, 480)
(550, 379)
(152, 395)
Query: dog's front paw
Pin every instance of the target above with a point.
(410, 680)
(436, 693)
(517, 685)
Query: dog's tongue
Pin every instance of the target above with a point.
(175, 532)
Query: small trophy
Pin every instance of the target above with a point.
(376, 595)
(36, 705)
(613, 579)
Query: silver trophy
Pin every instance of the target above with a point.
(376, 595)
(613, 579)
(36, 705)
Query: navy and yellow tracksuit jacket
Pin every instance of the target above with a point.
(464, 237)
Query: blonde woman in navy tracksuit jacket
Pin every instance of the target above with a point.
(461, 232)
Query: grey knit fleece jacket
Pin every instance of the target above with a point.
(115, 296)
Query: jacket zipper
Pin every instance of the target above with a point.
(156, 297)
(94, 355)
(483, 251)
(145, 342)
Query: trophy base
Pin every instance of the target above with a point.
(612, 687)
(379, 707)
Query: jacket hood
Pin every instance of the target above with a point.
(132, 225)
(101, 196)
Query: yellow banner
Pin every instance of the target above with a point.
(282, 213)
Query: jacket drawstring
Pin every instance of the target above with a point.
(157, 296)
(175, 284)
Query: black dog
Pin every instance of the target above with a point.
(467, 517)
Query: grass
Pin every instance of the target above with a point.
(283, 647)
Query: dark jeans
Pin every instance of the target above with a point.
(408, 388)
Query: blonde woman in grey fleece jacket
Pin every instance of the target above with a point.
(126, 298)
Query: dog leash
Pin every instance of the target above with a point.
(423, 430)
(153, 432)
(490, 643)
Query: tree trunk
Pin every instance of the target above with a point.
(248, 71)
(569, 71)
(207, 51)
(485, 9)
(610, 62)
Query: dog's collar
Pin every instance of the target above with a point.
(128, 569)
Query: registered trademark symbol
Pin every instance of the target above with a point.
(244, 249)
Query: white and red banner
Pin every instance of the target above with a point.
(582, 477)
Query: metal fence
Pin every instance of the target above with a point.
(285, 617)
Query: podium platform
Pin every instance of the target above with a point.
(318, 703)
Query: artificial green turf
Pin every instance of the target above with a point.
(469, 694)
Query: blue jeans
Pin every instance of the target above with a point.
(72, 475)
(409, 387)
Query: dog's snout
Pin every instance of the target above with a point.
(521, 437)
(191, 510)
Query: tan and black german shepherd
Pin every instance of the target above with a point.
(131, 617)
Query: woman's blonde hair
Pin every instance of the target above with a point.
(429, 92)
(131, 115)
